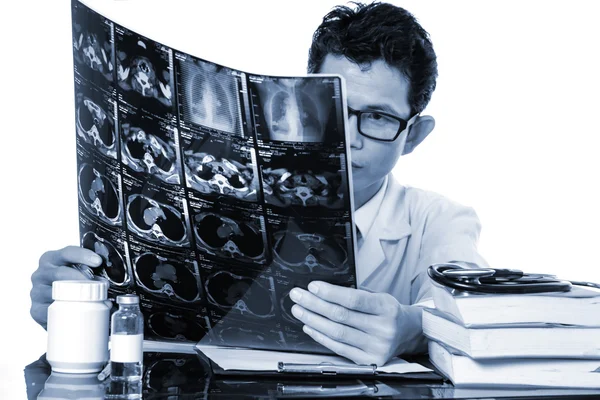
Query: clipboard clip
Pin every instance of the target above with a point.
(326, 368)
(355, 389)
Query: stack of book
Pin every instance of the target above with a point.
(543, 340)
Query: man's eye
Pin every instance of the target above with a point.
(376, 116)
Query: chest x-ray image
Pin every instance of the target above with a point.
(292, 110)
(209, 96)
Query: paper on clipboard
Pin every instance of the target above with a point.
(262, 360)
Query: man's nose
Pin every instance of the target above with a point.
(353, 135)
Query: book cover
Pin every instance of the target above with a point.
(512, 340)
(579, 306)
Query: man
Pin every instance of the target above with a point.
(390, 69)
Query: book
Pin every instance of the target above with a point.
(512, 341)
(580, 306)
(208, 191)
(559, 373)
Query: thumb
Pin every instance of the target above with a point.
(85, 270)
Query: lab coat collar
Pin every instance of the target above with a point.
(391, 219)
(391, 224)
(365, 216)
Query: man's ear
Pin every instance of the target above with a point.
(417, 132)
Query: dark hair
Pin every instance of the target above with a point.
(379, 31)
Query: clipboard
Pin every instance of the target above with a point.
(296, 371)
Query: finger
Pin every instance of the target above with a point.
(353, 299)
(40, 315)
(75, 255)
(338, 332)
(334, 312)
(41, 294)
(344, 350)
(45, 276)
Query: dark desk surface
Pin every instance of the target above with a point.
(186, 376)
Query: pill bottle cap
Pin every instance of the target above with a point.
(95, 290)
(128, 299)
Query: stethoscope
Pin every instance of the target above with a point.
(499, 281)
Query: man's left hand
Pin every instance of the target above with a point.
(365, 327)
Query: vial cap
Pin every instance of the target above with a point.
(95, 290)
(128, 299)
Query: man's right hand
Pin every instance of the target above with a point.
(54, 266)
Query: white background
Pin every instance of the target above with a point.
(516, 106)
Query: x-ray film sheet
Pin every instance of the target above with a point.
(209, 192)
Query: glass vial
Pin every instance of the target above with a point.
(127, 340)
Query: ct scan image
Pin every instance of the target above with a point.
(316, 247)
(176, 279)
(148, 147)
(92, 44)
(230, 233)
(168, 373)
(98, 193)
(242, 294)
(95, 121)
(156, 221)
(285, 307)
(113, 265)
(143, 72)
(293, 180)
(174, 325)
(247, 336)
(218, 167)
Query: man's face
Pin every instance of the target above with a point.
(379, 88)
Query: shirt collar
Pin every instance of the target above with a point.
(365, 215)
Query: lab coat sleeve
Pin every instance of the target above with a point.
(450, 233)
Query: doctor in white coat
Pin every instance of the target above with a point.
(390, 69)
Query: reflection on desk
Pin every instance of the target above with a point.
(178, 375)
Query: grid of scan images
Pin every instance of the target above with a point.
(208, 192)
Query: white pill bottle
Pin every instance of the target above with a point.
(78, 326)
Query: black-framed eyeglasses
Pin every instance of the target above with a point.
(379, 125)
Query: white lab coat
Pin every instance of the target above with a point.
(413, 229)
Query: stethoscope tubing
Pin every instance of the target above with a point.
(522, 283)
